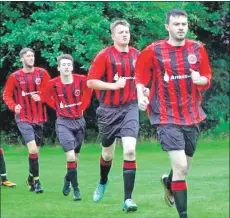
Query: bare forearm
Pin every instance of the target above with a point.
(140, 90)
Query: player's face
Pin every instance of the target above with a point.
(28, 59)
(121, 35)
(177, 27)
(66, 67)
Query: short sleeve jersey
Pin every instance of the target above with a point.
(109, 65)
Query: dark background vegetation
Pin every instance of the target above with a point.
(82, 29)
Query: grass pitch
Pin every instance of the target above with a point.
(208, 184)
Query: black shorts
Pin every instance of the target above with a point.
(118, 121)
(70, 133)
(31, 131)
(174, 137)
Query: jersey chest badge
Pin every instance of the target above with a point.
(38, 81)
(192, 59)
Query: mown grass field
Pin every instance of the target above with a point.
(208, 184)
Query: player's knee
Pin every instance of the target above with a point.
(107, 155)
(181, 169)
(33, 150)
(130, 153)
(70, 156)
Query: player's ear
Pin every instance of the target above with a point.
(112, 36)
(167, 27)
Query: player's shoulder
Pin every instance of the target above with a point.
(191, 42)
(133, 49)
(104, 51)
(153, 45)
(39, 69)
(16, 72)
(77, 76)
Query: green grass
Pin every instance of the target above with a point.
(208, 184)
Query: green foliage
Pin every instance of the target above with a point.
(82, 29)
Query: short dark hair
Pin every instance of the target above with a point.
(118, 22)
(64, 56)
(175, 12)
(24, 51)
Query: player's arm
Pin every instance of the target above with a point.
(203, 77)
(96, 72)
(47, 94)
(8, 95)
(142, 75)
(87, 94)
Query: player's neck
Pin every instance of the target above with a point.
(67, 79)
(175, 43)
(28, 69)
(121, 48)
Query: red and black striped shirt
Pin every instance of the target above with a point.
(174, 98)
(19, 88)
(69, 100)
(109, 65)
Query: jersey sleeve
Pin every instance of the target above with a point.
(46, 76)
(205, 69)
(144, 67)
(8, 92)
(98, 66)
(47, 94)
(87, 94)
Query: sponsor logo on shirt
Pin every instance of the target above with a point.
(192, 59)
(167, 77)
(166, 60)
(116, 77)
(69, 105)
(29, 93)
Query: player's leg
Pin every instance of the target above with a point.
(191, 135)
(108, 149)
(129, 133)
(67, 141)
(172, 140)
(33, 178)
(79, 137)
(129, 172)
(107, 124)
(28, 133)
(3, 177)
(179, 186)
(39, 139)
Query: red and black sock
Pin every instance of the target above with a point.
(72, 174)
(2, 166)
(33, 166)
(179, 189)
(129, 173)
(105, 167)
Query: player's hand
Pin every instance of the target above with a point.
(146, 92)
(36, 97)
(120, 83)
(195, 75)
(17, 109)
(143, 103)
